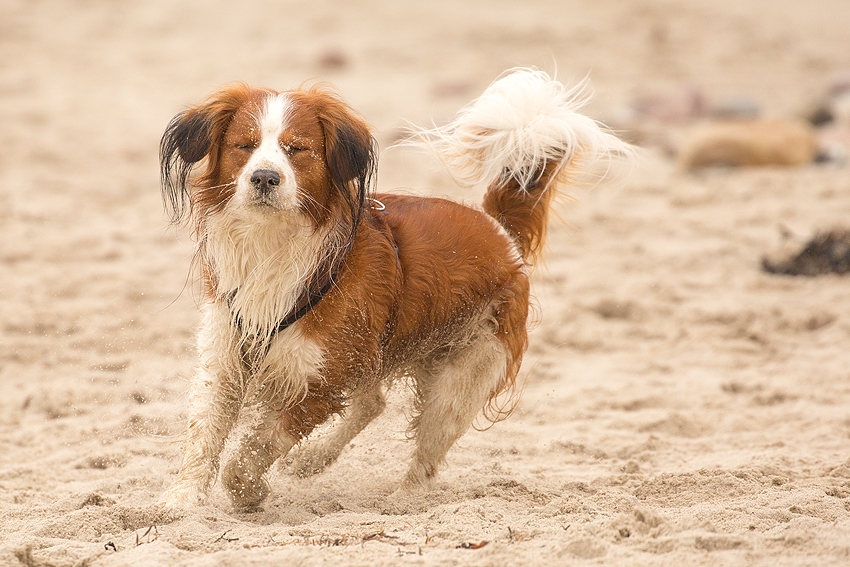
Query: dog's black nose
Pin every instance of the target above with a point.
(265, 180)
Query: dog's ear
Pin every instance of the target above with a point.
(191, 136)
(350, 151)
(186, 141)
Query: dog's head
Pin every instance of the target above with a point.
(259, 151)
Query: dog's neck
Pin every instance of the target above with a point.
(263, 263)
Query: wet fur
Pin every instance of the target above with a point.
(428, 288)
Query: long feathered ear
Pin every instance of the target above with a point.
(350, 152)
(186, 141)
(191, 136)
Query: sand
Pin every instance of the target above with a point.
(681, 406)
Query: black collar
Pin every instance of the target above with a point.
(316, 289)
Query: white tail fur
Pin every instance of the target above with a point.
(522, 121)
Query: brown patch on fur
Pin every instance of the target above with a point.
(455, 264)
(524, 211)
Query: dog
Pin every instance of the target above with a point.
(317, 292)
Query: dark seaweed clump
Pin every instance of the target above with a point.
(826, 253)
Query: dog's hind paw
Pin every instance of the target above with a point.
(309, 463)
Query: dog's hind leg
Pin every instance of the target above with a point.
(450, 393)
(365, 406)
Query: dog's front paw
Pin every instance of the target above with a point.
(181, 496)
(246, 489)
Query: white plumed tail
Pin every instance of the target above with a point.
(522, 122)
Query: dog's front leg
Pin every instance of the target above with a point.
(216, 396)
(268, 440)
(277, 429)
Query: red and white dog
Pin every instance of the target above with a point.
(318, 293)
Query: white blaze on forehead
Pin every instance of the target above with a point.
(275, 117)
(272, 121)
